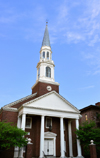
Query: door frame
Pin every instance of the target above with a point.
(50, 135)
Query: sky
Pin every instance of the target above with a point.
(74, 31)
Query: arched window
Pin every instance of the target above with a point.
(43, 54)
(47, 55)
(48, 71)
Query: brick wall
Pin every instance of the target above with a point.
(41, 88)
(9, 116)
(35, 135)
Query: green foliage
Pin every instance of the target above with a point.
(88, 131)
(11, 136)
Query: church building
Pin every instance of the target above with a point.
(48, 117)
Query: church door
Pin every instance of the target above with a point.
(48, 147)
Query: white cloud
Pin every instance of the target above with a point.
(96, 72)
(93, 60)
(87, 87)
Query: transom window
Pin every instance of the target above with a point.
(48, 71)
(48, 122)
(28, 122)
(47, 55)
(43, 54)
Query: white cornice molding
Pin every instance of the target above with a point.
(45, 48)
(43, 61)
(19, 101)
(10, 109)
(49, 82)
(46, 112)
(56, 110)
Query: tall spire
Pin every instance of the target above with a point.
(46, 41)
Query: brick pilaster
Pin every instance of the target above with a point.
(29, 152)
(93, 153)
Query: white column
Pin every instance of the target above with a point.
(23, 121)
(19, 122)
(17, 148)
(78, 141)
(23, 128)
(42, 138)
(62, 137)
(70, 139)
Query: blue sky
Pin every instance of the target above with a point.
(74, 30)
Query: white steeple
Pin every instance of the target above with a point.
(45, 67)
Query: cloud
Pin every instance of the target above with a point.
(74, 26)
(87, 87)
(93, 60)
(96, 72)
(74, 37)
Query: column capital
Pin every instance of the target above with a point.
(69, 120)
(62, 117)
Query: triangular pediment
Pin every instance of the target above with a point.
(52, 101)
(49, 134)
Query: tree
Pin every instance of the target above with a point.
(88, 131)
(11, 136)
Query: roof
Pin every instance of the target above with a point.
(20, 100)
(46, 41)
(89, 107)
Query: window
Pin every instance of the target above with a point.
(48, 71)
(28, 122)
(38, 73)
(47, 55)
(48, 122)
(43, 54)
(86, 118)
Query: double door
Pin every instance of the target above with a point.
(48, 147)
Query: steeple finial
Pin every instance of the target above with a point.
(46, 22)
(46, 41)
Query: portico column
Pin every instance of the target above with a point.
(78, 141)
(70, 139)
(23, 121)
(42, 138)
(23, 128)
(16, 148)
(62, 137)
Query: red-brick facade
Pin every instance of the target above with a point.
(41, 88)
(91, 113)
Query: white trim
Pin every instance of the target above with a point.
(54, 83)
(46, 112)
(10, 109)
(55, 94)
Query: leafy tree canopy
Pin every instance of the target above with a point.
(11, 136)
(88, 131)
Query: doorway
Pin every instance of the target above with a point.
(49, 147)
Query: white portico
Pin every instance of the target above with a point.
(51, 105)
